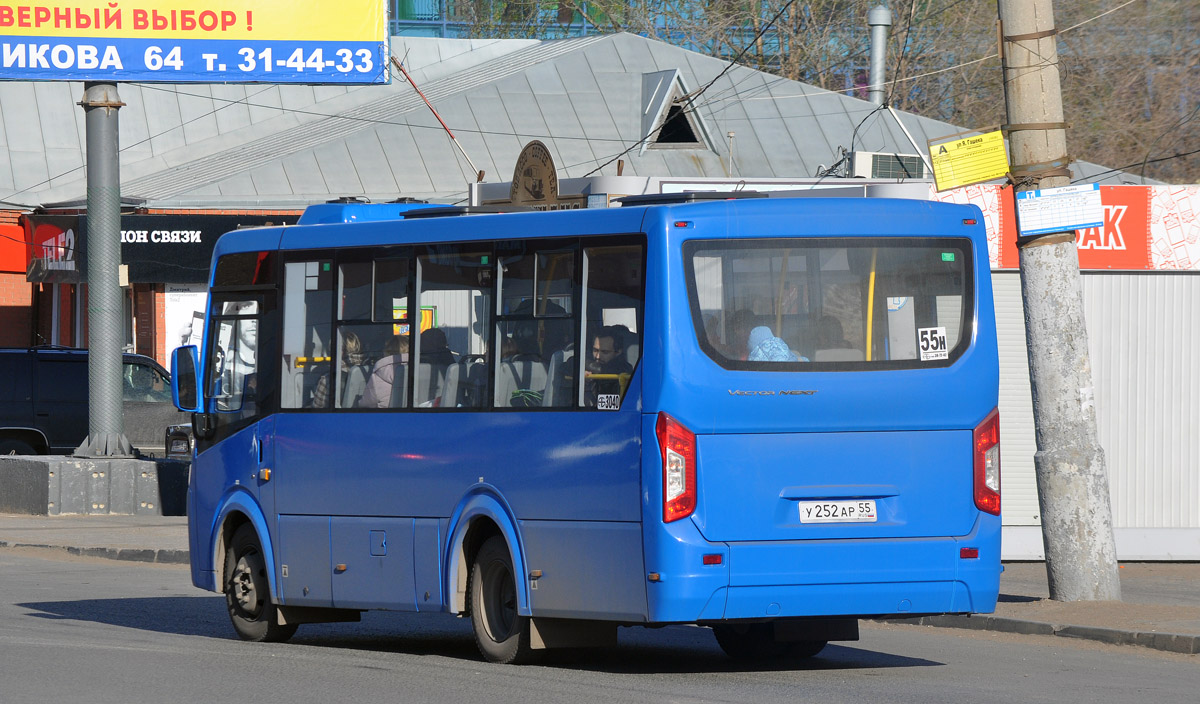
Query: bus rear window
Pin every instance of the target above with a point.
(831, 303)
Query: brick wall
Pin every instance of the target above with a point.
(16, 297)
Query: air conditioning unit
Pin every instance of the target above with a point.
(886, 165)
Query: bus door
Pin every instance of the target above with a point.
(234, 450)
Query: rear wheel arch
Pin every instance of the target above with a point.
(479, 517)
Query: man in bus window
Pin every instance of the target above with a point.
(607, 363)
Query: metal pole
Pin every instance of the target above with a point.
(1072, 477)
(397, 64)
(879, 19)
(106, 423)
(920, 152)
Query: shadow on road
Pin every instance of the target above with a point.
(188, 616)
(1017, 599)
(686, 650)
(675, 649)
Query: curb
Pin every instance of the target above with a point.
(165, 557)
(1169, 642)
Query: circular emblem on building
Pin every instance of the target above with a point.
(534, 180)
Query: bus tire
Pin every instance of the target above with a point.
(756, 641)
(501, 633)
(248, 591)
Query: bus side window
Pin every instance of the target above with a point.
(385, 342)
(307, 331)
(449, 352)
(535, 324)
(613, 327)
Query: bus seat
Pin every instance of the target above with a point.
(522, 383)
(838, 355)
(399, 386)
(558, 380)
(307, 378)
(430, 380)
(356, 384)
(466, 383)
(631, 354)
(450, 389)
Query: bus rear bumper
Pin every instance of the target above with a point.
(864, 578)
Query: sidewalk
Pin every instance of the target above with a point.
(1160, 607)
(137, 538)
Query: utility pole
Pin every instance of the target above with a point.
(106, 422)
(1072, 478)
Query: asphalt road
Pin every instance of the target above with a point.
(89, 630)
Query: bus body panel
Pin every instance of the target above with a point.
(554, 466)
(679, 586)
(485, 228)
(304, 560)
(589, 569)
(379, 566)
(865, 577)
(750, 487)
(427, 563)
(431, 464)
(251, 239)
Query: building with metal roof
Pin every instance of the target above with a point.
(589, 99)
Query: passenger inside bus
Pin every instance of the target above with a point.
(832, 345)
(765, 347)
(379, 392)
(353, 378)
(741, 322)
(603, 372)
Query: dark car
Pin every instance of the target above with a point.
(44, 401)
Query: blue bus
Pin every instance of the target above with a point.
(768, 416)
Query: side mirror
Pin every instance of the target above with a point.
(185, 379)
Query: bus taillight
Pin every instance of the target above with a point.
(678, 447)
(987, 464)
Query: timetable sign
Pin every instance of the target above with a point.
(973, 159)
(1065, 209)
(175, 41)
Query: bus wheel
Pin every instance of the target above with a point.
(500, 632)
(756, 641)
(248, 592)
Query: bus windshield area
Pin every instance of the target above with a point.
(837, 303)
